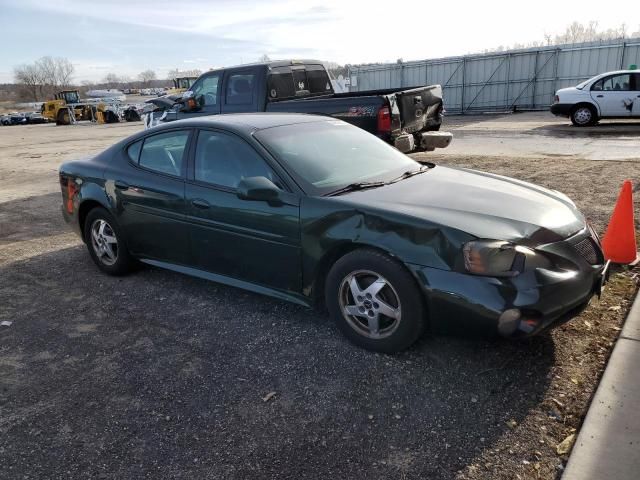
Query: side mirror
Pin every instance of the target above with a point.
(260, 189)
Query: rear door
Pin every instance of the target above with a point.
(249, 240)
(243, 90)
(614, 95)
(150, 196)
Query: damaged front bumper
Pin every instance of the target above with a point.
(519, 306)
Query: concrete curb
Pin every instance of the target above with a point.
(608, 445)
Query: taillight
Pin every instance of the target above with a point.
(71, 190)
(384, 120)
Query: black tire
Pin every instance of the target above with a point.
(584, 115)
(400, 292)
(123, 262)
(63, 117)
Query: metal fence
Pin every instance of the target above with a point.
(510, 80)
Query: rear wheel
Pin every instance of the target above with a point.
(105, 243)
(583, 116)
(375, 301)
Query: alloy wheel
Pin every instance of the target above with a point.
(104, 242)
(370, 304)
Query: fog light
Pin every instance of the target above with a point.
(508, 322)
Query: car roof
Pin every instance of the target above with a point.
(247, 122)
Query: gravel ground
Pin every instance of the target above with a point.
(158, 375)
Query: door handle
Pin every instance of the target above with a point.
(200, 203)
(121, 185)
(600, 96)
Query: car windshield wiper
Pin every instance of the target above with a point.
(352, 187)
(423, 168)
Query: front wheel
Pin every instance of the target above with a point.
(105, 243)
(583, 116)
(375, 301)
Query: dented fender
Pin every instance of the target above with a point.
(326, 229)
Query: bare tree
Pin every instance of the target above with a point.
(29, 78)
(44, 76)
(111, 80)
(264, 58)
(64, 72)
(147, 76)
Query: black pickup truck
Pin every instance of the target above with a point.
(409, 119)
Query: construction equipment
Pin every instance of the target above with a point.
(68, 108)
(181, 85)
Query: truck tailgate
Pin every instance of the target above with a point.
(419, 107)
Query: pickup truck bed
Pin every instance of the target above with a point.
(406, 118)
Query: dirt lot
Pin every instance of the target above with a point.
(157, 375)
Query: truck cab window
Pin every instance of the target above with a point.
(318, 79)
(205, 90)
(240, 89)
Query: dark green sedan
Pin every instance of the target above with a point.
(318, 212)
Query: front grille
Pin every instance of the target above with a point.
(589, 251)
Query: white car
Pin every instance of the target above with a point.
(608, 95)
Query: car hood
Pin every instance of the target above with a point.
(482, 204)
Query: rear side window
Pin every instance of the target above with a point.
(240, 89)
(290, 82)
(281, 83)
(134, 151)
(318, 79)
(164, 153)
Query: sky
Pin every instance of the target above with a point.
(126, 37)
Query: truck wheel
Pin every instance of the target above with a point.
(63, 117)
(584, 116)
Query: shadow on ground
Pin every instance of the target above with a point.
(161, 375)
(31, 218)
(603, 129)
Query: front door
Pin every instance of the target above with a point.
(150, 197)
(614, 95)
(205, 92)
(249, 240)
(635, 111)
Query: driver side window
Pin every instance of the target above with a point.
(224, 160)
(207, 90)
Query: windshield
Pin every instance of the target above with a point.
(326, 156)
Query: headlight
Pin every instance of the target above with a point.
(494, 258)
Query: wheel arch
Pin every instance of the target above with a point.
(336, 253)
(585, 103)
(84, 208)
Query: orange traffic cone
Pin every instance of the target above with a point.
(619, 241)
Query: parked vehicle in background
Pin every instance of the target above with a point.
(313, 210)
(406, 118)
(18, 118)
(5, 120)
(608, 95)
(35, 117)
